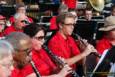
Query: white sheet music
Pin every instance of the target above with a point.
(100, 60)
(112, 70)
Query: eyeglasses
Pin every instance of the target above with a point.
(25, 22)
(40, 37)
(70, 24)
(28, 50)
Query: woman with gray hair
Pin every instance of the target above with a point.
(6, 51)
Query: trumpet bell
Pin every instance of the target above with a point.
(98, 5)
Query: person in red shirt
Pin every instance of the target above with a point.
(22, 45)
(63, 45)
(20, 8)
(6, 58)
(108, 39)
(40, 57)
(2, 25)
(18, 24)
(53, 24)
(70, 3)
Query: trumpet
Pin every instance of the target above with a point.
(58, 61)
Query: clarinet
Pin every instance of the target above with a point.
(35, 69)
(58, 61)
(81, 40)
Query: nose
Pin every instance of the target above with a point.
(42, 41)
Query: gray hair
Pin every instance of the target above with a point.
(17, 15)
(20, 5)
(15, 37)
(5, 48)
(63, 8)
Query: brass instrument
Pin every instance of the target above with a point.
(98, 5)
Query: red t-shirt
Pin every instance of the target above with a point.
(11, 29)
(22, 72)
(53, 25)
(70, 3)
(103, 44)
(63, 48)
(43, 63)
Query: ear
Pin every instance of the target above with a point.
(60, 26)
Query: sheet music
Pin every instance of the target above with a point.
(112, 70)
(100, 60)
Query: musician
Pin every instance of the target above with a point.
(53, 25)
(63, 45)
(19, 23)
(6, 58)
(43, 62)
(20, 8)
(87, 14)
(2, 25)
(108, 39)
(22, 45)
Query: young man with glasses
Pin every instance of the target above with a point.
(63, 45)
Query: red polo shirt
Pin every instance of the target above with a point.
(11, 29)
(22, 72)
(43, 62)
(53, 25)
(103, 44)
(70, 3)
(63, 48)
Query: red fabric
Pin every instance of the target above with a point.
(103, 44)
(12, 19)
(63, 48)
(70, 3)
(2, 17)
(11, 29)
(43, 62)
(22, 72)
(1, 34)
(53, 25)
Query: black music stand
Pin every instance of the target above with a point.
(87, 30)
(104, 65)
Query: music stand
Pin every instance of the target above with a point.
(87, 30)
(104, 65)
